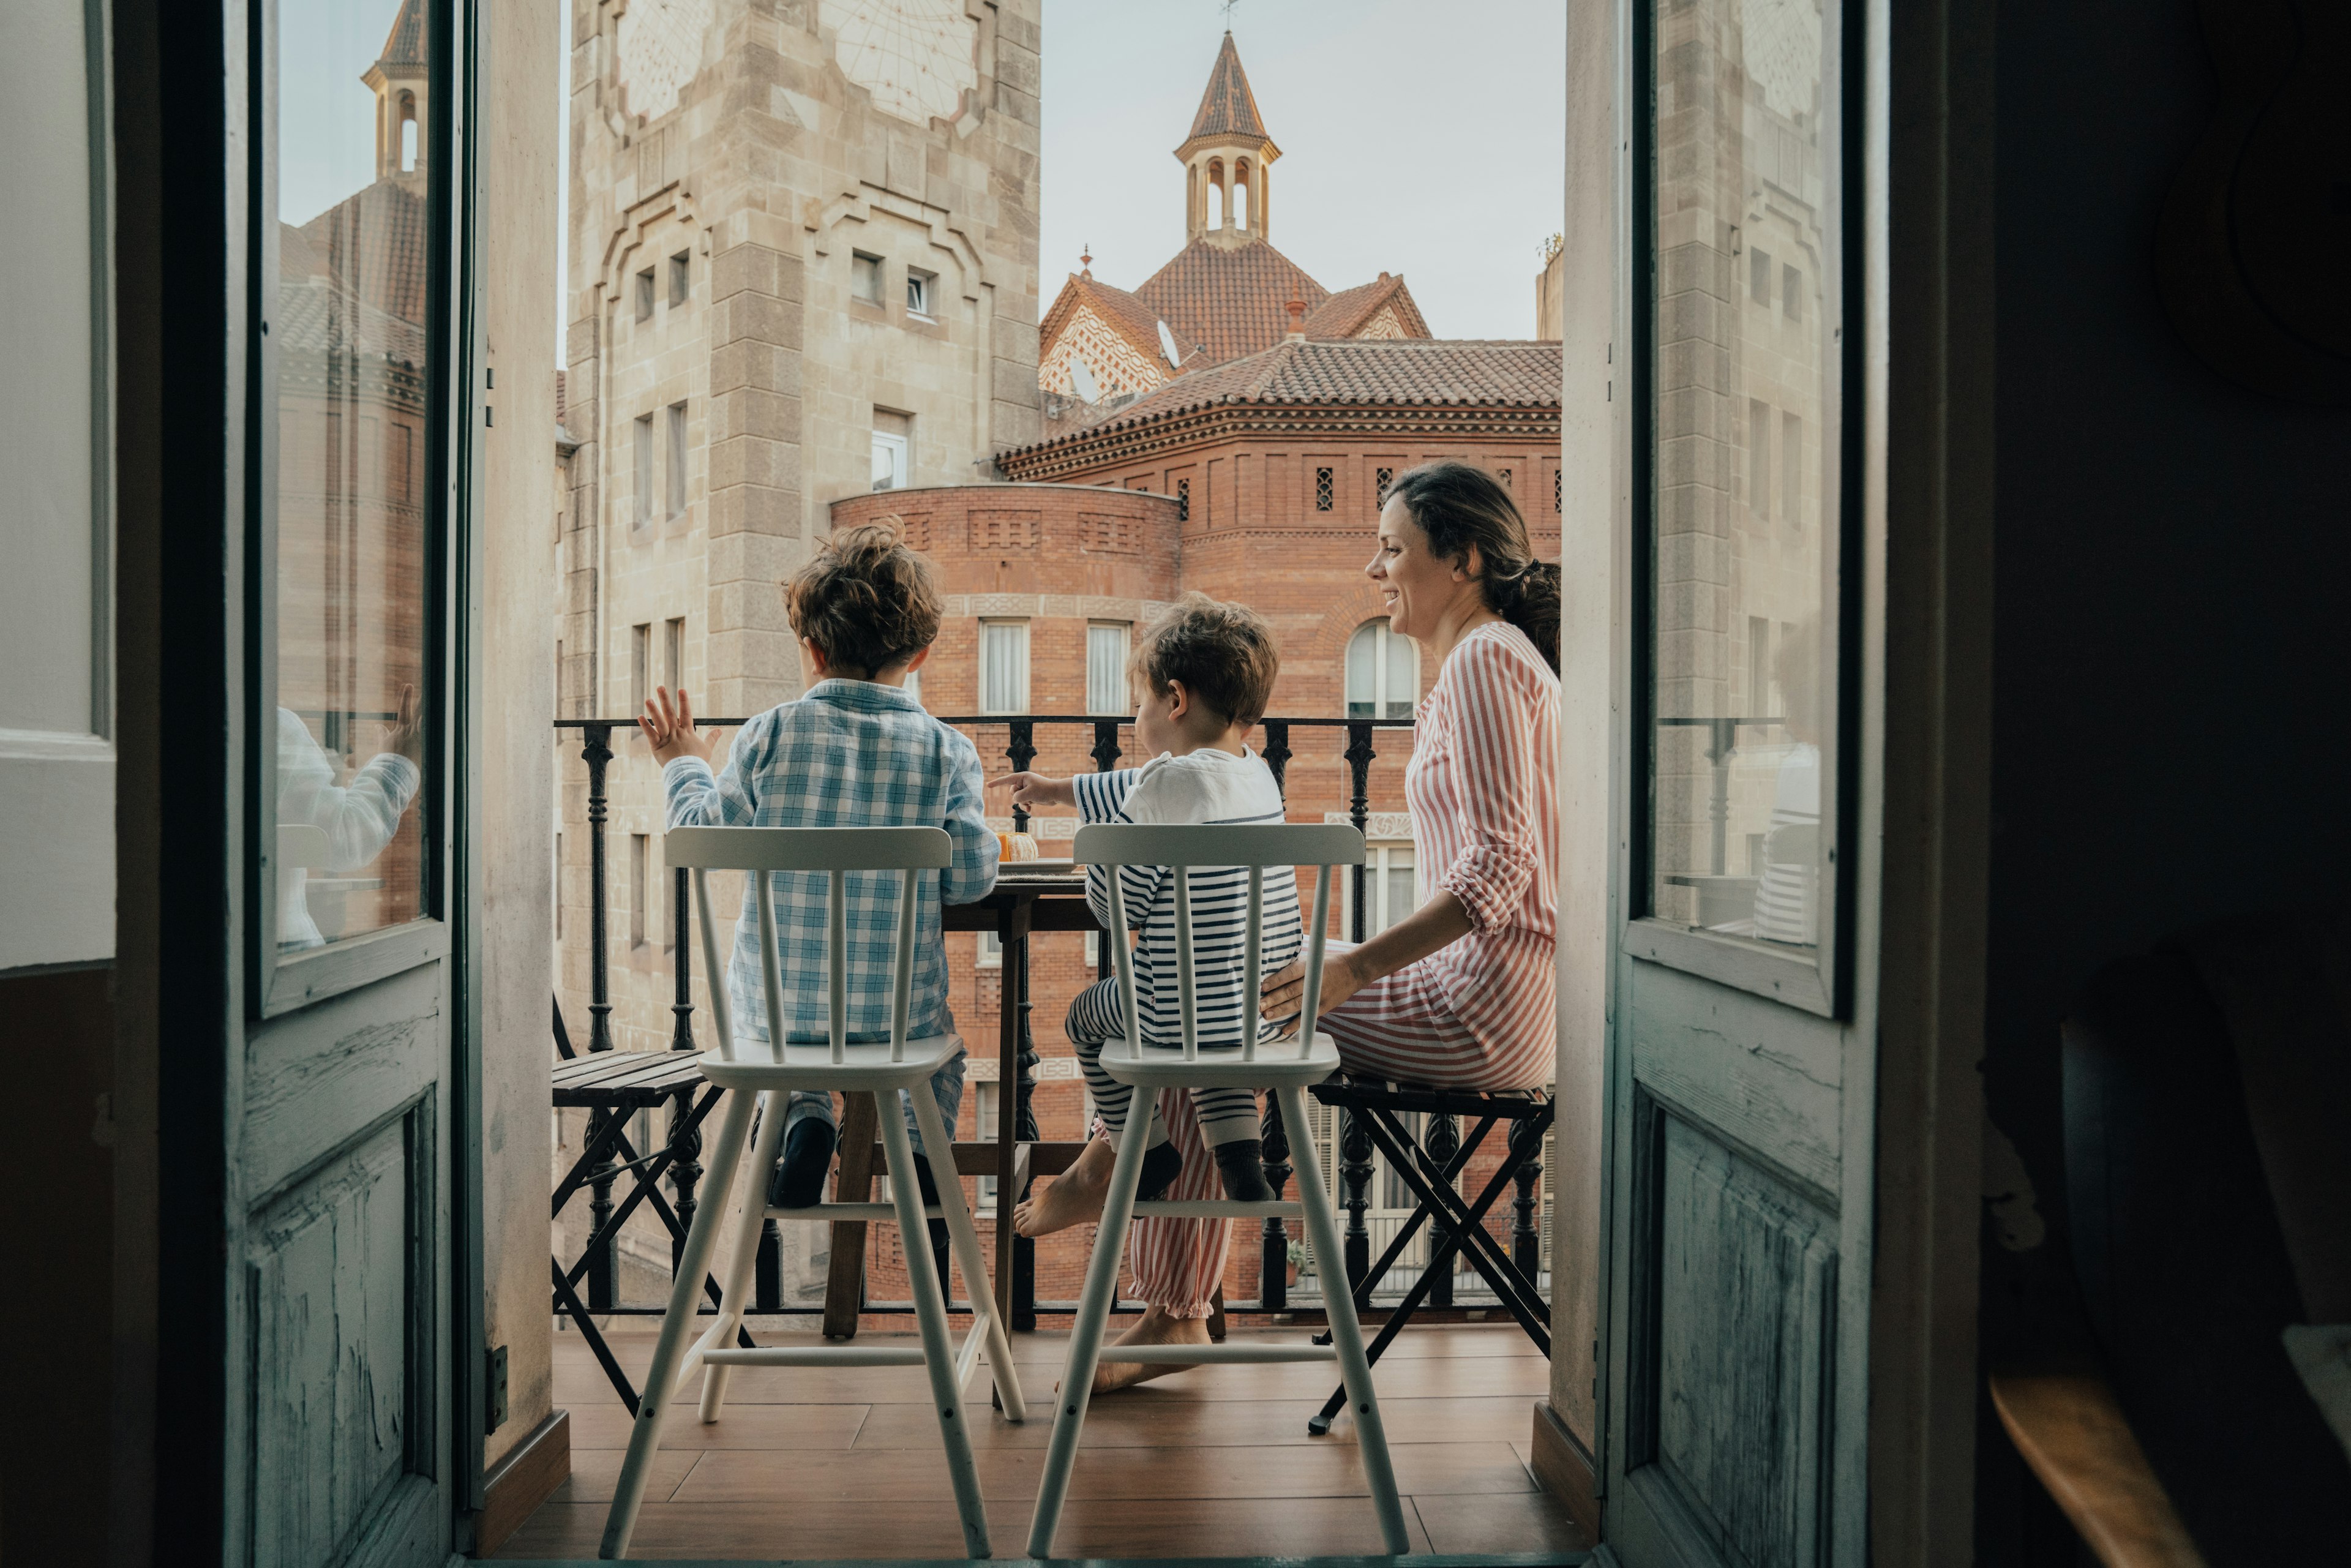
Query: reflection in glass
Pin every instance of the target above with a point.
(1747, 321)
(352, 365)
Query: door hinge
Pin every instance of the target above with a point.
(495, 1380)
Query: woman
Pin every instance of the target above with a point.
(1462, 992)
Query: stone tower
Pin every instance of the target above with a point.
(401, 80)
(1226, 157)
(803, 258)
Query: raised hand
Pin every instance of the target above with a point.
(668, 727)
(405, 734)
(1030, 791)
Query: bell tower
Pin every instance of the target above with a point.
(1226, 159)
(400, 80)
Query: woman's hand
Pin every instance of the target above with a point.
(1283, 996)
(668, 727)
(1030, 791)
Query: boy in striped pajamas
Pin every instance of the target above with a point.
(1207, 670)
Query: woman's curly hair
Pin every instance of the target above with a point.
(866, 602)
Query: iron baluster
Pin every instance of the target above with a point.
(685, 1167)
(1020, 751)
(1277, 751)
(1526, 1240)
(1106, 752)
(681, 1034)
(1355, 1186)
(1274, 1269)
(1359, 811)
(597, 750)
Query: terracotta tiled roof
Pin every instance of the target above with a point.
(1127, 315)
(1229, 301)
(374, 243)
(1426, 372)
(1227, 109)
(405, 44)
(1344, 313)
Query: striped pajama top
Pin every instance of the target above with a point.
(1483, 787)
(1209, 786)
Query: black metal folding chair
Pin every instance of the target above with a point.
(1378, 1109)
(614, 1085)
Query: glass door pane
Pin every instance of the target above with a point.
(1745, 419)
(354, 364)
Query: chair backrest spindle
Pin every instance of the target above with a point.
(1187, 1010)
(836, 944)
(1313, 998)
(722, 1011)
(902, 997)
(771, 973)
(1253, 948)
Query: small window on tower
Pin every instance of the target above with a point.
(1792, 294)
(1387, 477)
(1321, 490)
(645, 295)
(681, 277)
(865, 277)
(922, 290)
(1183, 500)
(1759, 277)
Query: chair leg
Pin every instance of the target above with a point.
(963, 1241)
(931, 1312)
(1094, 1306)
(736, 1291)
(1347, 1338)
(685, 1291)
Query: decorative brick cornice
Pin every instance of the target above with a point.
(1089, 450)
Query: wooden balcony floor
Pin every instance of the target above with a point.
(1214, 1462)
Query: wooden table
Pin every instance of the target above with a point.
(1026, 900)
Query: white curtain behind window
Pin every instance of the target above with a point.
(1106, 670)
(1004, 666)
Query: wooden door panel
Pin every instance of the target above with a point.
(1764, 1075)
(1736, 1268)
(341, 1318)
(314, 1079)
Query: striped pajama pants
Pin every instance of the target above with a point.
(1399, 1027)
(1224, 1116)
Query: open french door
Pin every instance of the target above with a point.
(1742, 1049)
(315, 696)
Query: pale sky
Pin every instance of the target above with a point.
(1416, 138)
(1420, 138)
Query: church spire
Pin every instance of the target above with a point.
(1225, 157)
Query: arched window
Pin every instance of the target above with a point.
(1216, 195)
(1383, 672)
(408, 133)
(1242, 201)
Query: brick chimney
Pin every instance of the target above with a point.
(1297, 308)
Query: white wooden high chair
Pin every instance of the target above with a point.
(881, 1069)
(1284, 1068)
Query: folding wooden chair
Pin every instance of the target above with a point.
(1285, 1069)
(880, 1069)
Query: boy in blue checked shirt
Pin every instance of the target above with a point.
(856, 751)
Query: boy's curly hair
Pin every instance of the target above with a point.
(866, 602)
(1224, 653)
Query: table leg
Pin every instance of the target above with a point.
(1012, 936)
(844, 1290)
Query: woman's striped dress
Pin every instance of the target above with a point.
(1480, 1013)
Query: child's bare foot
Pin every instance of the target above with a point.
(1073, 1198)
(1155, 1327)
